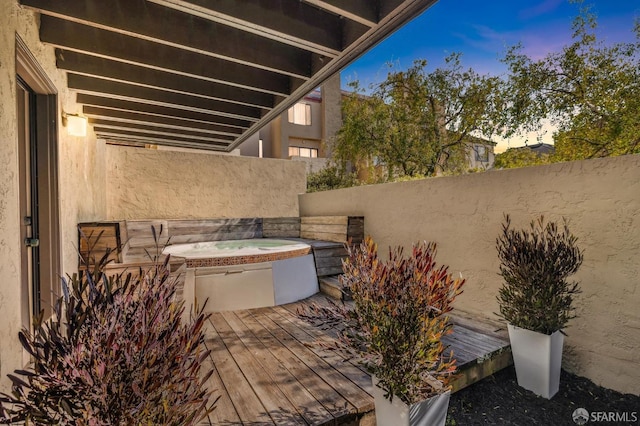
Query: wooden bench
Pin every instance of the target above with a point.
(327, 235)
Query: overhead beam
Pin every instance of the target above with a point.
(152, 22)
(172, 123)
(157, 131)
(102, 101)
(154, 140)
(136, 134)
(406, 11)
(363, 11)
(289, 21)
(94, 66)
(125, 91)
(106, 44)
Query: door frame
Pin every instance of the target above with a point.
(46, 112)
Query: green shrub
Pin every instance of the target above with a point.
(397, 320)
(331, 177)
(535, 264)
(115, 352)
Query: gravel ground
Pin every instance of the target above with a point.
(498, 400)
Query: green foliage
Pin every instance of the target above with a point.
(589, 90)
(115, 352)
(419, 123)
(398, 318)
(517, 157)
(331, 177)
(535, 264)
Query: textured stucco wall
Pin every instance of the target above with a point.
(81, 176)
(150, 184)
(463, 214)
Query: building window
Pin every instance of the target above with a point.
(296, 151)
(300, 114)
(482, 153)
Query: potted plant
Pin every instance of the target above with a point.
(394, 326)
(536, 298)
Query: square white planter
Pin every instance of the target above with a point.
(431, 412)
(538, 359)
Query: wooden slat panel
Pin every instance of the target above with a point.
(324, 262)
(281, 220)
(142, 228)
(324, 227)
(325, 236)
(219, 236)
(339, 251)
(95, 238)
(325, 220)
(283, 227)
(329, 270)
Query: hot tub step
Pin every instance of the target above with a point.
(332, 287)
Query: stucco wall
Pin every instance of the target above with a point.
(150, 184)
(81, 176)
(463, 214)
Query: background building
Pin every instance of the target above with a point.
(304, 131)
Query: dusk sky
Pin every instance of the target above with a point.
(481, 31)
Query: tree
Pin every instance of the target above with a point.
(590, 91)
(520, 157)
(418, 123)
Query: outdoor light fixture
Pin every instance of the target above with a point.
(76, 125)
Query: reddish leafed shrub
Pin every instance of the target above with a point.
(115, 352)
(397, 319)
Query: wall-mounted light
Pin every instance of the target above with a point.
(76, 125)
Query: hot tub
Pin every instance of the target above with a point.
(245, 274)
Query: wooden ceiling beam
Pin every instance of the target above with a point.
(288, 21)
(94, 66)
(158, 131)
(125, 91)
(118, 137)
(106, 44)
(102, 101)
(156, 23)
(407, 10)
(172, 123)
(363, 11)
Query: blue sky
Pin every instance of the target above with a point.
(482, 30)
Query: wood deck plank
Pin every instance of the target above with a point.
(350, 382)
(271, 367)
(267, 332)
(333, 397)
(241, 396)
(306, 405)
(224, 413)
(274, 401)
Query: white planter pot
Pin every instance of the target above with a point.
(537, 358)
(431, 412)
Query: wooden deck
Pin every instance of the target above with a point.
(269, 369)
